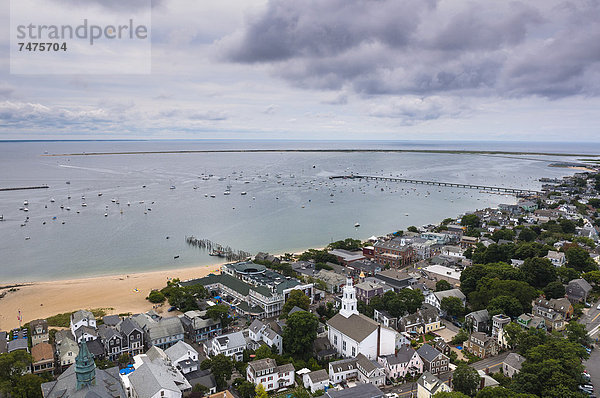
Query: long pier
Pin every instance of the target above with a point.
(22, 188)
(489, 188)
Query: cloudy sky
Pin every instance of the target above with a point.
(328, 69)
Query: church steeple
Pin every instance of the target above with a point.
(349, 306)
(85, 368)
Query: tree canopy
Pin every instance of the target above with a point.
(220, 312)
(295, 298)
(299, 333)
(465, 379)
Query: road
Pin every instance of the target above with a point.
(592, 365)
(591, 320)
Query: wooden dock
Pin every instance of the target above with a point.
(23, 188)
(488, 188)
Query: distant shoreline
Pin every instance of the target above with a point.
(443, 151)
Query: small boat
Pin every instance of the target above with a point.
(213, 196)
(331, 201)
(27, 238)
(175, 257)
(99, 193)
(105, 214)
(141, 202)
(242, 193)
(67, 208)
(113, 200)
(82, 197)
(69, 197)
(2, 217)
(356, 225)
(68, 182)
(226, 193)
(218, 253)
(128, 203)
(25, 209)
(143, 186)
(25, 203)
(172, 187)
(84, 204)
(52, 200)
(206, 195)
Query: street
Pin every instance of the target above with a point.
(591, 320)
(592, 365)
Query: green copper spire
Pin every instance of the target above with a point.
(85, 368)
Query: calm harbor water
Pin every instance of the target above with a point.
(290, 203)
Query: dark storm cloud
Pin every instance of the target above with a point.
(508, 49)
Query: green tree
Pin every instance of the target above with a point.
(200, 388)
(579, 259)
(460, 337)
(527, 235)
(567, 226)
(346, 244)
(453, 306)
(513, 332)
(577, 333)
(156, 296)
(300, 392)
(219, 312)
(245, 388)
(412, 228)
(442, 285)
(14, 381)
(264, 351)
(261, 392)
(221, 368)
(554, 290)
(465, 379)
(501, 392)
(296, 298)
(299, 333)
(505, 234)
(451, 394)
(566, 274)
(470, 220)
(507, 305)
(28, 385)
(593, 278)
(538, 271)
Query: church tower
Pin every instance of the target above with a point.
(85, 368)
(349, 300)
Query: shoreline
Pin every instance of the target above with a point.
(122, 293)
(448, 151)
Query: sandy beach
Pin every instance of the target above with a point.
(123, 293)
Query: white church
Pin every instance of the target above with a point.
(351, 333)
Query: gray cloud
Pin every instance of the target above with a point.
(546, 48)
(114, 5)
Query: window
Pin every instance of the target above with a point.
(335, 340)
(344, 345)
(353, 351)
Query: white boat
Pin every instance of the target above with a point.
(356, 225)
(172, 186)
(84, 204)
(99, 193)
(25, 209)
(27, 238)
(213, 196)
(52, 200)
(128, 203)
(226, 193)
(105, 214)
(25, 203)
(243, 193)
(113, 200)
(206, 195)
(2, 217)
(67, 208)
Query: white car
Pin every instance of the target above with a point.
(598, 307)
(391, 395)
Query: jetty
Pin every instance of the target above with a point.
(23, 188)
(517, 191)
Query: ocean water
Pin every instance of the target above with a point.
(290, 202)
